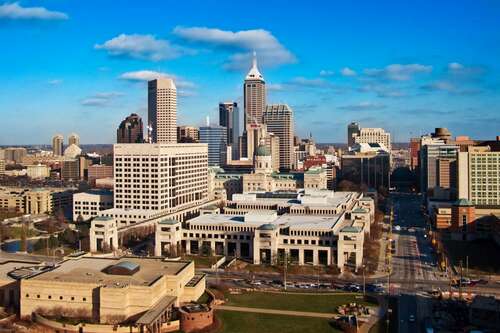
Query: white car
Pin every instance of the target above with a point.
(397, 228)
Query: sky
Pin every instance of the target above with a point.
(407, 66)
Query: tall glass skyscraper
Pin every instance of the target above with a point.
(216, 138)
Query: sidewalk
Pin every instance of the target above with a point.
(273, 311)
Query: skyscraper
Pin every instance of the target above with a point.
(373, 135)
(254, 95)
(187, 134)
(162, 110)
(130, 130)
(57, 145)
(229, 117)
(352, 128)
(279, 120)
(215, 137)
(74, 139)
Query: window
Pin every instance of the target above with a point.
(60, 297)
(84, 299)
(27, 295)
(50, 297)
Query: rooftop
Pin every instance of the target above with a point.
(94, 271)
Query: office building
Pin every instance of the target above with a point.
(215, 137)
(15, 155)
(187, 134)
(352, 129)
(99, 171)
(367, 165)
(139, 292)
(131, 130)
(279, 121)
(229, 117)
(162, 110)
(57, 145)
(87, 205)
(254, 95)
(2, 167)
(160, 177)
(431, 170)
(38, 171)
(315, 227)
(74, 139)
(70, 170)
(373, 135)
(36, 200)
(479, 176)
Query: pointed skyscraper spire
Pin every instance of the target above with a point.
(254, 73)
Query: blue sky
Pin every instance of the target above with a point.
(408, 66)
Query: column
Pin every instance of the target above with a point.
(301, 256)
(238, 249)
(212, 247)
(328, 256)
(188, 246)
(315, 257)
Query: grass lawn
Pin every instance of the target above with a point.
(478, 261)
(293, 302)
(202, 261)
(266, 323)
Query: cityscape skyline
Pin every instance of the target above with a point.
(446, 74)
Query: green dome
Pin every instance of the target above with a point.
(463, 203)
(262, 151)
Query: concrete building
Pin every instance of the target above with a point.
(103, 234)
(38, 171)
(57, 145)
(37, 200)
(367, 164)
(430, 155)
(99, 171)
(130, 130)
(87, 205)
(162, 110)
(479, 176)
(2, 167)
(254, 95)
(187, 134)
(74, 139)
(273, 227)
(160, 177)
(70, 170)
(140, 291)
(15, 155)
(229, 117)
(352, 129)
(373, 135)
(279, 121)
(215, 137)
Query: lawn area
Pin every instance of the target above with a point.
(476, 250)
(326, 303)
(202, 261)
(266, 323)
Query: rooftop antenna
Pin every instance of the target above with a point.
(208, 121)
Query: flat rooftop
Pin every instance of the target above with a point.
(296, 222)
(92, 270)
(311, 199)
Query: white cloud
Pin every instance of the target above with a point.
(346, 71)
(100, 99)
(270, 51)
(147, 75)
(55, 82)
(398, 72)
(325, 72)
(302, 81)
(381, 90)
(274, 87)
(465, 72)
(146, 47)
(362, 106)
(14, 11)
(453, 66)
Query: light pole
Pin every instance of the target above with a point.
(364, 281)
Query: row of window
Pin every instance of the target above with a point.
(73, 298)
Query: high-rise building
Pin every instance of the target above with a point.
(254, 95)
(431, 170)
(215, 137)
(279, 120)
(160, 177)
(74, 139)
(2, 167)
(70, 170)
(162, 110)
(479, 175)
(352, 128)
(188, 134)
(373, 135)
(229, 117)
(57, 145)
(15, 154)
(131, 130)
(99, 171)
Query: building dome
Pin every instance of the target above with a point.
(463, 203)
(262, 150)
(72, 151)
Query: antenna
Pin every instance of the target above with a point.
(208, 121)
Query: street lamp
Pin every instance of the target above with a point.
(364, 281)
